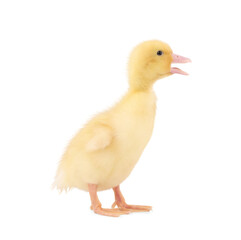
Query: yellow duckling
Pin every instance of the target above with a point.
(106, 149)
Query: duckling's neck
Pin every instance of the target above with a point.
(140, 85)
(132, 90)
(140, 101)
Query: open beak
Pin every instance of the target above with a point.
(179, 59)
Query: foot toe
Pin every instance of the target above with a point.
(136, 208)
(111, 212)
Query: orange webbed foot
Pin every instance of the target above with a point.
(121, 204)
(96, 205)
(132, 208)
(110, 212)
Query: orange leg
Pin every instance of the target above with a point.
(121, 203)
(96, 205)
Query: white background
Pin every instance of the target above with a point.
(63, 61)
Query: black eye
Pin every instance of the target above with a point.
(159, 53)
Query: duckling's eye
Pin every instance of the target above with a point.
(159, 53)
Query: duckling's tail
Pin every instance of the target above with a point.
(60, 182)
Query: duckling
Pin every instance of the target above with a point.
(104, 152)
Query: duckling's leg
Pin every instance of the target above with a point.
(121, 203)
(96, 205)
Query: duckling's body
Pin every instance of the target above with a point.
(105, 150)
(129, 124)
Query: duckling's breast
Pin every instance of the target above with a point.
(133, 123)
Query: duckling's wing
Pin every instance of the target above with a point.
(101, 137)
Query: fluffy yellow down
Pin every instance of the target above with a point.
(106, 149)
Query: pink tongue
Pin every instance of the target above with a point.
(177, 70)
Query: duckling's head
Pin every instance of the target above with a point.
(150, 61)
